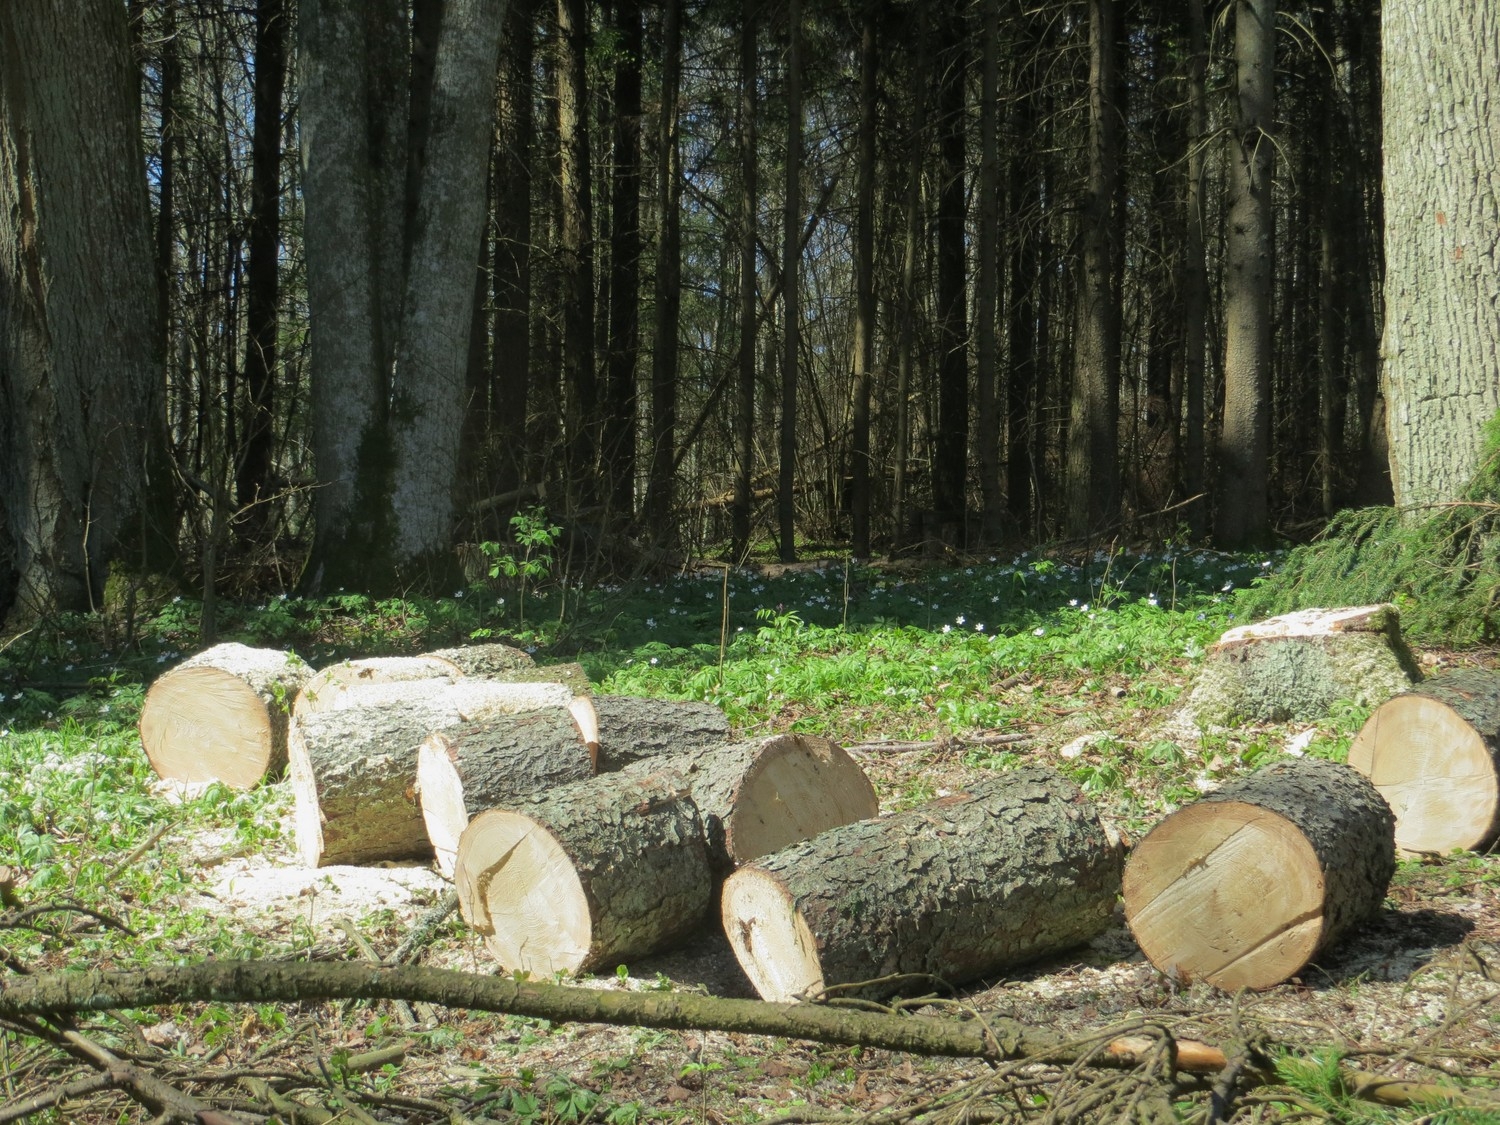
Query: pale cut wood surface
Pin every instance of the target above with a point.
(323, 690)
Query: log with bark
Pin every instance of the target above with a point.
(756, 797)
(323, 691)
(1298, 665)
(486, 660)
(354, 767)
(591, 874)
(222, 715)
(481, 765)
(1016, 867)
(511, 665)
(1434, 754)
(1244, 887)
(632, 728)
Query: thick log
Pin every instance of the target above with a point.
(512, 665)
(485, 660)
(1015, 868)
(594, 873)
(354, 767)
(1434, 754)
(1244, 887)
(222, 715)
(476, 767)
(757, 797)
(323, 691)
(632, 728)
(1298, 665)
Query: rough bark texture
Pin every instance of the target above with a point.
(631, 728)
(1434, 755)
(759, 796)
(1245, 887)
(595, 872)
(323, 691)
(1010, 870)
(486, 660)
(1440, 66)
(354, 769)
(80, 362)
(481, 765)
(222, 715)
(1296, 666)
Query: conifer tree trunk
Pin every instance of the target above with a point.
(864, 288)
(786, 498)
(510, 286)
(575, 244)
(1195, 273)
(992, 502)
(911, 249)
(951, 457)
(625, 264)
(660, 494)
(744, 421)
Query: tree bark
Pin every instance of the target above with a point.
(625, 265)
(1434, 755)
(791, 295)
(1195, 275)
(864, 288)
(1243, 515)
(1441, 72)
(594, 873)
(632, 728)
(912, 216)
(744, 415)
(80, 358)
(1010, 870)
(987, 298)
(951, 455)
(1243, 888)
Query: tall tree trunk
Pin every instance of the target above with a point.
(80, 354)
(987, 437)
(786, 498)
(1244, 453)
(510, 287)
(1195, 274)
(1023, 374)
(1093, 443)
(660, 495)
(1441, 349)
(864, 287)
(744, 421)
(263, 276)
(951, 458)
(624, 264)
(912, 245)
(575, 246)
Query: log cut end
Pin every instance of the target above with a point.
(307, 817)
(207, 724)
(519, 889)
(1435, 767)
(798, 786)
(1226, 892)
(769, 937)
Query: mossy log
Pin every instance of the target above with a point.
(758, 796)
(594, 873)
(323, 690)
(354, 767)
(1298, 665)
(481, 765)
(632, 728)
(222, 715)
(1016, 867)
(1434, 755)
(1244, 887)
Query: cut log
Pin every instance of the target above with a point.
(1298, 665)
(222, 715)
(322, 691)
(594, 873)
(1244, 887)
(632, 728)
(1014, 868)
(1434, 754)
(757, 797)
(511, 665)
(505, 758)
(354, 766)
(485, 660)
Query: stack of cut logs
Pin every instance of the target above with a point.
(582, 829)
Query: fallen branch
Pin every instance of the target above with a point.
(943, 744)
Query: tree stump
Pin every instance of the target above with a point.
(222, 715)
(759, 796)
(632, 728)
(505, 758)
(592, 874)
(323, 691)
(354, 767)
(1014, 868)
(1434, 754)
(1298, 665)
(1244, 887)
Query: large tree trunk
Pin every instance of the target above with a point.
(1009, 870)
(864, 290)
(80, 360)
(1195, 275)
(624, 266)
(744, 414)
(912, 217)
(1244, 453)
(660, 492)
(1244, 887)
(1441, 69)
(791, 294)
(951, 456)
(988, 429)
